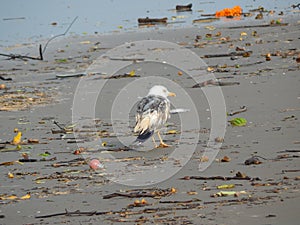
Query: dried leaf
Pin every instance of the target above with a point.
(219, 139)
(226, 186)
(192, 193)
(173, 190)
(10, 175)
(204, 159)
(17, 139)
(172, 132)
(33, 141)
(132, 73)
(226, 159)
(27, 196)
(85, 42)
(11, 197)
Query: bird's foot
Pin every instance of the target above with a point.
(163, 145)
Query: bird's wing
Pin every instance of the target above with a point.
(152, 112)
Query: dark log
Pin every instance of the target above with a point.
(182, 8)
(148, 20)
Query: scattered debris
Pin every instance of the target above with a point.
(152, 193)
(242, 109)
(239, 176)
(228, 54)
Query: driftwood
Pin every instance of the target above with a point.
(219, 178)
(147, 20)
(156, 193)
(213, 14)
(17, 56)
(5, 79)
(227, 54)
(260, 25)
(182, 8)
(122, 212)
(242, 200)
(242, 109)
(206, 20)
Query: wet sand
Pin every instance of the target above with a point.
(269, 90)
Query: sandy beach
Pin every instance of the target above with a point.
(42, 181)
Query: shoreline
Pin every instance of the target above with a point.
(269, 90)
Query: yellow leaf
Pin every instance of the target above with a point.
(132, 73)
(17, 139)
(173, 190)
(104, 143)
(172, 132)
(27, 196)
(210, 69)
(85, 42)
(10, 175)
(243, 34)
(192, 192)
(11, 197)
(210, 27)
(226, 186)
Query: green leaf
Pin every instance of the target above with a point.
(239, 122)
(45, 154)
(61, 60)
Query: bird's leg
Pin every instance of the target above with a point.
(155, 145)
(162, 144)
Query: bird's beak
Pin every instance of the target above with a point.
(171, 94)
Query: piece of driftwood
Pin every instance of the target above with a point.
(242, 109)
(219, 178)
(5, 79)
(147, 20)
(213, 14)
(17, 56)
(182, 8)
(259, 25)
(206, 20)
(122, 211)
(156, 193)
(227, 54)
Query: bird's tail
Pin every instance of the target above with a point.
(143, 137)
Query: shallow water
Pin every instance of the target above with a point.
(27, 21)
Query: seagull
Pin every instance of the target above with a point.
(152, 113)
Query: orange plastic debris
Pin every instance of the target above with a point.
(235, 11)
